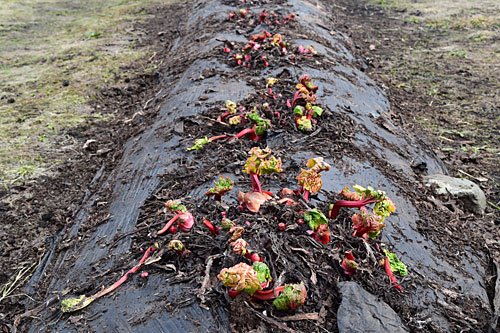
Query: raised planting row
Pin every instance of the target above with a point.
(268, 245)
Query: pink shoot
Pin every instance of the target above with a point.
(213, 230)
(349, 264)
(261, 162)
(391, 275)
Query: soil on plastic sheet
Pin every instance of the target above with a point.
(34, 213)
(39, 211)
(459, 119)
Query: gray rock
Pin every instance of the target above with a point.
(464, 190)
(361, 311)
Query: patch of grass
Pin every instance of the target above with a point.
(54, 54)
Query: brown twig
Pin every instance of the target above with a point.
(271, 320)
(33, 312)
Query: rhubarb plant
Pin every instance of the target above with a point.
(349, 264)
(310, 179)
(184, 218)
(243, 277)
(77, 303)
(223, 186)
(362, 197)
(292, 296)
(396, 264)
(367, 224)
(259, 163)
(306, 91)
(318, 223)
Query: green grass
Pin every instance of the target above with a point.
(44, 45)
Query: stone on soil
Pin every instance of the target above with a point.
(361, 311)
(464, 190)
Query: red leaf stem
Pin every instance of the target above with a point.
(391, 276)
(169, 224)
(267, 295)
(255, 183)
(350, 204)
(124, 278)
(214, 230)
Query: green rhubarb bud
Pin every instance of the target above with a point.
(176, 246)
(199, 143)
(231, 107)
(299, 110)
(314, 218)
(263, 272)
(227, 224)
(317, 111)
(304, 124)
(293, 296)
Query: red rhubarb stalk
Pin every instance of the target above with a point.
(169, 224)
(267, 295)
(74, 304)
(256, 187)
(391, 276)
(214, 230)
(350, 204)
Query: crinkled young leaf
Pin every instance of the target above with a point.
(384, 208)
(73, 304)
(258, 164)
(223, 186)
(367, 223)
(240, 277)
(304, 124)
(231, 107)
(240, 246)
(369, 192)
(348, 195)
(310, 180)
(261, 124)
(317, 164)
(235, 120)
(316, 111)
(293, 296)
(263, 272)
(175, 206)
(396, 264)
(271, 165)
(298, 111)
(271, 81)
(199, 143)
(314, 218)
(227, 224)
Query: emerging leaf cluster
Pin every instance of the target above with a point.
(243, 277)
(293, 296)
(396, 264)
(314, 218)
(223, 186)
(261, 162)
